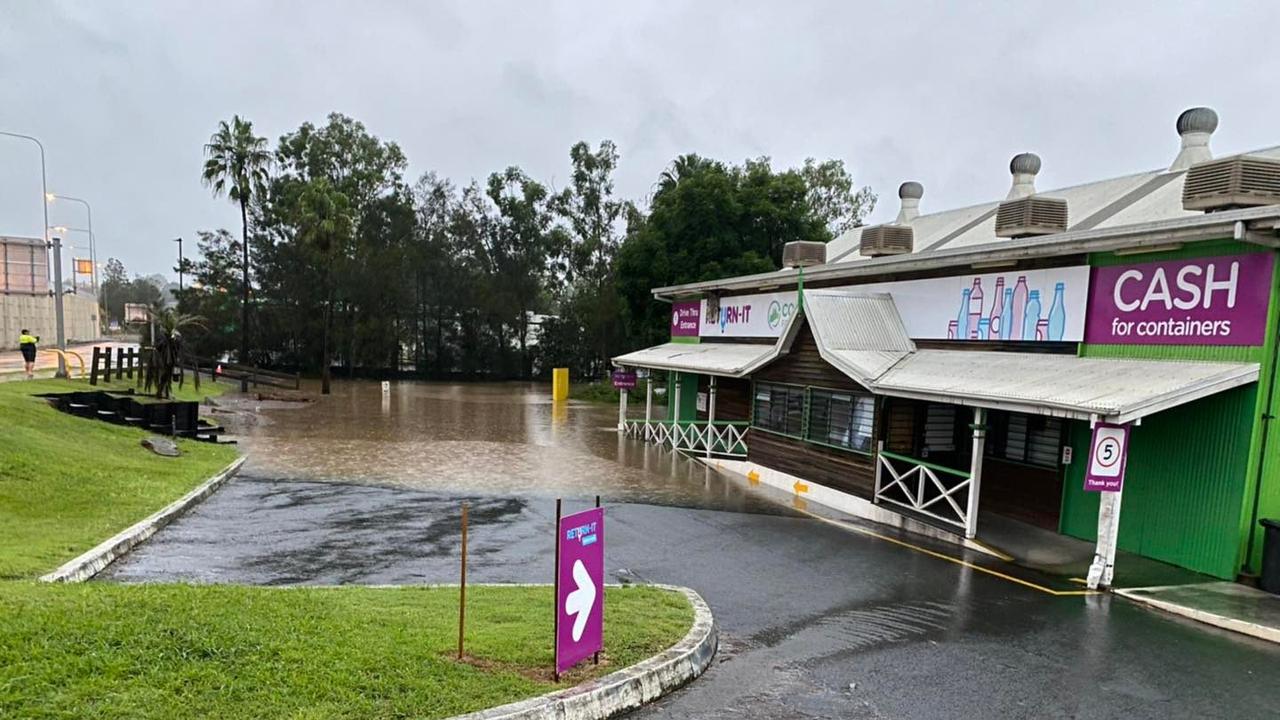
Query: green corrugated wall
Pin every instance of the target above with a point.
(1189, 485)
(688, 395)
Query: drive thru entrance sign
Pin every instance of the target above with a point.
(1108, 454)
(579, 587)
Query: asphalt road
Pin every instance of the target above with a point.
(816, 621)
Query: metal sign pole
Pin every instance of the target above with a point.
(555, 602)
(462, 586)
(595, 657)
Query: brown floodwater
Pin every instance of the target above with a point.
(475, 438)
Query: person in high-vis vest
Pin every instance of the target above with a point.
(27, 344)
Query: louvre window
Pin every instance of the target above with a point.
(841, 419)
(1025, 438)
(779, 408)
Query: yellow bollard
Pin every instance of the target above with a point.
(560, 384)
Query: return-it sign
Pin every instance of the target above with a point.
(1197, 301)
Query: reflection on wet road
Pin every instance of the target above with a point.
(815, 621)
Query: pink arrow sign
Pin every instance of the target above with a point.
(580, 588)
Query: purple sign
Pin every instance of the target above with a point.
(1197, 301)
(624, 379)
(580, 587)
(1108, 455)
(684, 318)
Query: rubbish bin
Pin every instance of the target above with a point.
(1270, 580)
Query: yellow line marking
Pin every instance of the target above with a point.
(948, 558)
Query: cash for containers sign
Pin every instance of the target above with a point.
(1108, 454)
(580, 588)
(1196, 301)
(1020, 305)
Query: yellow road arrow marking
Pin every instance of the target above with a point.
(800, 487)
(753, 477)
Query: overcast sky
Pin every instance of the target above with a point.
(124, 94)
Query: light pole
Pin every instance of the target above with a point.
(93, 241)
(44, 206)
(179, 241)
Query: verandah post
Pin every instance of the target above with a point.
(875, 497)
(675, 413)
(1103, 567)
(648, 407)
(975, 472)
(711, 415)
(622, 410)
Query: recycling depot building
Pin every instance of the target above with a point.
(950, 372)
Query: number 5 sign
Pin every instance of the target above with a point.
(1108, 454)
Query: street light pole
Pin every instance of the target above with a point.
(179, 241)
(93, 239)
(44, 206)
(57, 306)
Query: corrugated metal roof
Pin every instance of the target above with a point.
(727, 359)
(1062, 385)
(862, 334)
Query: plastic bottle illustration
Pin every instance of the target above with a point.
(997, 302)
(1042, 329)
(1006, 315)
(1019, 307)
(962, 319)
(951, 329)
(1031, 317)
(975, 308)
(984, 329)
(1057, 314)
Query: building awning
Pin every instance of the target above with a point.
(1059, 385)
(861, 334)
(726, 359)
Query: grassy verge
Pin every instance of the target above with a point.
(179, 651)
(67, 483)
(184, 651)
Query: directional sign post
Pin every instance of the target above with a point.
(579, 587)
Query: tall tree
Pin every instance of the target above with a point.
(237, 163)
(325, 229)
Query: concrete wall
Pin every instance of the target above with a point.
(35, 312)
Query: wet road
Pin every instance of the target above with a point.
(816, 622)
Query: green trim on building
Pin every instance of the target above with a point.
(688, 396)
(1192, 471)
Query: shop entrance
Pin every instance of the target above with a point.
(1021, 471)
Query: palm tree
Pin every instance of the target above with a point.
(168, 351)
(325, 228)
(237, 162)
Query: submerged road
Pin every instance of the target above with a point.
(815, 621)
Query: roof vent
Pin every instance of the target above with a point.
(1195, 126)
(1031, 215)
(909, 193)
(1024, 167)
(803, 254)
(1238, 181)
(890, 239)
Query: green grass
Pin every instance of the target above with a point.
(103, 650)
(68, 483)
(181, 651)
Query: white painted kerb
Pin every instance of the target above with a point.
(96, 560)
(626, 689)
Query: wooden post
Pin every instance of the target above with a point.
(555, 603)
(93, 371)
(975, 471)
(107, 363)
(462, 586)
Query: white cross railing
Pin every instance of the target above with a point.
(722, 438)
(933, 490)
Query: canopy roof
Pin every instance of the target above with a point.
(863, 336)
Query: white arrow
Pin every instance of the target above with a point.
(580, 601)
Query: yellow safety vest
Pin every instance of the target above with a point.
(27, 340)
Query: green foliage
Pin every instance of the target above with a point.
(68, 483)
(117, 290)
(169, 349)
(495, 279)
(107, 651)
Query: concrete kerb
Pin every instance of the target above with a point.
(1245, 627)
(626, 689)
(96, 560)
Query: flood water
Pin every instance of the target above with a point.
(492, 438)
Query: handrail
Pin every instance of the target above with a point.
(923, 463)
